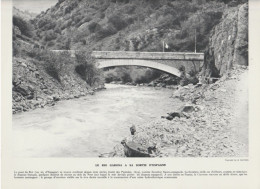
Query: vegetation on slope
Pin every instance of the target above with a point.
(136, 25)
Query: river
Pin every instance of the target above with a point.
(88, 126)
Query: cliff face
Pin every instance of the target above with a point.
(228, 44)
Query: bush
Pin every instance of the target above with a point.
(93, 27)
(53, 62)
(24, 27)
(46, 23)
(50, 35)
(86, 68)
(117, 21)
(131, 74)
(105, 32)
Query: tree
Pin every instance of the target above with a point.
(87, 69)
(24, 27)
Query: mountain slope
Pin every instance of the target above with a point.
(136, 25)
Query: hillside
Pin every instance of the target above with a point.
(24, 14)
(40, 78)
(136, 25)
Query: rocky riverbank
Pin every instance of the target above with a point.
(34, 88)
(215, 126)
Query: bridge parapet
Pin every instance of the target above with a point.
(148, 55)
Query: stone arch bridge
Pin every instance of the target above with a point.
(168, 62)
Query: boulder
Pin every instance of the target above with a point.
(169, 117)
(188, 109)
(132, 130)
(22, 89)
(133, 149)
(174, 114)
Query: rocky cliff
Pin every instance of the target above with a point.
(228, 44)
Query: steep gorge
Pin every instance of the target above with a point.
(228, 42)
(125, 25)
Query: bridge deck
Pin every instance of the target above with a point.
(148, 55)
(142, 55)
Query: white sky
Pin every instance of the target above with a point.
(35, 6)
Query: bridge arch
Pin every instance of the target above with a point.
(138, 62)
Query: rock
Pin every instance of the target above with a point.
(22, 89)
(151, 84)
(169, 117)
(228, 42)
(31, 96)
(56, 98)
(132, 130)
(188, 108)
(133, 149)
(175, 114)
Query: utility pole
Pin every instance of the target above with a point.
(163, 46)
(195, 40)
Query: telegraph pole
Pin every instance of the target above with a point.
(195, 41)
(163, 46)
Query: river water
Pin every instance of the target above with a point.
(88, 126)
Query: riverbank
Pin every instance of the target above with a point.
(216, 126)
(34, 88)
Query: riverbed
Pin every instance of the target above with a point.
(90, 125)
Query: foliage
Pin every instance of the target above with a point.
(50, 35)
(24, 26)
(86, 68)
(105, 32)
(138, 24)
(187, 78)
(117, 21)
(93, 26)
(131, 74)
(54, 63)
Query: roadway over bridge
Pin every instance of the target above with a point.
(169, 62)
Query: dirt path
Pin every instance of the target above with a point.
(239, 121)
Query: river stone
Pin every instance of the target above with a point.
(169, 117)
(174, 114)
(132, 130)
(188, 109)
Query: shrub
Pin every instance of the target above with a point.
(45, 21)
(86, 68)
(24, 27)
(50, 35)
(131, 74)
(117, 21)
(105, 32)
(93, 26)
(145, 75)
(52, 62)
(110, 76)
